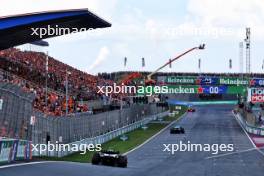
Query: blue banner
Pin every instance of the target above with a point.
(207, 81)
(257, 82)
(0, 146)
(214, 89)
(13, 151)
(28, 151)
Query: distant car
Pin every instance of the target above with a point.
(110, 158)
(190, 109)
(177, 130)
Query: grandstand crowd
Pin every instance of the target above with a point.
(30, 70)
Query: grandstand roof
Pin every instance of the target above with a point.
(17, 30)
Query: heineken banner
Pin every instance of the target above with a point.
(180, 80)
(212, 81)
(190, 89)
(233, 81)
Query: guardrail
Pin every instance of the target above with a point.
(249, 128)
(14, 149)
(102, 138)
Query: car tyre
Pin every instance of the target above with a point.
(122, 161)
(96, 159)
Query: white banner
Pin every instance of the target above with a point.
(255, 95)
(32, 120)
(1, 104)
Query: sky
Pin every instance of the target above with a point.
(156, 30)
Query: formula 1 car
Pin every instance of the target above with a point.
(110, 158)
(190, 109)
(177, 130)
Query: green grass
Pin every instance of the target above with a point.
(135, 138)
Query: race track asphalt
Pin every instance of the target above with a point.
(212, 124)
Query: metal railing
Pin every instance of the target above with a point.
(249, 128)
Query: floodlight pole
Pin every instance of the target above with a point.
(67, 99)
(46, 81)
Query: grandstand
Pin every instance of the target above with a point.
(28, 70)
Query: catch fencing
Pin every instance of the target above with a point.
(101, 138)
(67, 129)
(15, 112)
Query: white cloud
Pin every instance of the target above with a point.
(228, 13)
(102, 56)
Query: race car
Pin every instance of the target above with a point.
(110, 158)
(177, 130)
(190, 109)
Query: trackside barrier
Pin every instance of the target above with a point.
(13, 150)
(249, 128)
(102, 138)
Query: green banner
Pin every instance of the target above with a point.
(237, 89)
(190, 89)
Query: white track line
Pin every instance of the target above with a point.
(231, 153)
(24, 164)
(152, 137)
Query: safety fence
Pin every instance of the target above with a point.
(101, 138)
(67, 129)
(15, 112)
(13, 150)
(249, 128)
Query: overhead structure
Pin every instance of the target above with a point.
(200, 47)
(21, 29)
